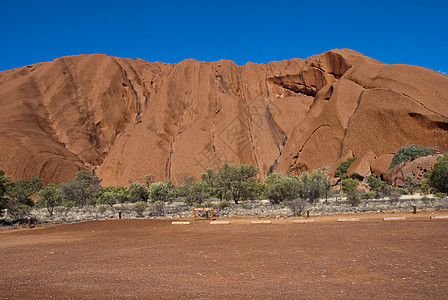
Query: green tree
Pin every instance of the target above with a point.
(314, 185)
(138, 192)
(108, 196)
(379, 187)
(214, 185)
(193, 192)
(238, 181)
(350, 188)
(121, 194)
(18, 196)
(341, 170)
(49, 197)
(437, 178)
(161, 191)
(20, 191)
(409, 153)
(279, 188)
(85, 187)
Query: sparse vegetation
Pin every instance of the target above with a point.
(230, 183)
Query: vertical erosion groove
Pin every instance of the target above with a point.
(348, 124)
(247, 112)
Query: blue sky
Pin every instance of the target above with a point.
(408, 32)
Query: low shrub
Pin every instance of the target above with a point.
(157, 208)
(139, 207)
(395, 194)
(440, 195)
(223, 204)
(297, 206)
(368, 196)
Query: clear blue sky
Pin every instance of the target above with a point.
(409, 32)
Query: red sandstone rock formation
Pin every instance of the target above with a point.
(130, 117)
(418, 167)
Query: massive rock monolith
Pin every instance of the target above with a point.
(130, 117)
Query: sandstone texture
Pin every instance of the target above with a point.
(130, 117)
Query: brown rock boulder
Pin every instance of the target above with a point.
(380, 165)
(360, 168)
(418, 167)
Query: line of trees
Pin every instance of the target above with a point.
(228, 183)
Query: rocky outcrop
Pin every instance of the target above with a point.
(417, 168)
(129, 117)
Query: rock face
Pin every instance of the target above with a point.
(129, 117)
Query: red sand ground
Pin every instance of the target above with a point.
(154, 259)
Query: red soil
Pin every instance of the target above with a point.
(154, 259)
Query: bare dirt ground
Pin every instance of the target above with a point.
(154, 259)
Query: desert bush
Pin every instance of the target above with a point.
(297, 206)
(440, 195)
(161, 191)
(314, 185)
(368, 196)
(102, 209)
(19, 211)
(379, 187)
(350, 188)
(341, 170)
(279, 188)
(157, 208)
(139, 207)
(108, 198)
(85, 188)
(49, 197)
(437, 178)
(410, 184)
(409, 153)
(193, 192)
(238, 181)
(19, 192)
(223, 204)
(214, 184)
(137, 192)
(395, 194)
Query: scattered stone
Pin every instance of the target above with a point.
(439, 217)
(348, 220)
(261, 222)
(180, 222)
(303, 221)
(394, 219)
